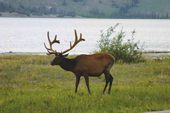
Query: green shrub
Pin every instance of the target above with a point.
(123, 50)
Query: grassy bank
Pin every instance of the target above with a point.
(28, 84)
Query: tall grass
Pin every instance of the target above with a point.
(28, 84)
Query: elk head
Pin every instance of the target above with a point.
(59, 56)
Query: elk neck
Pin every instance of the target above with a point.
(68, 64)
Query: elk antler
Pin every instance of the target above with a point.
(77, 40)
(50, 50)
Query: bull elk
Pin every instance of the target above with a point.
(82, 65)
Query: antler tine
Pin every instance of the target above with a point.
(45, 46)
(77, 40)
(50, 49)
(81, 37)
(48, 36)
(76, 37)
(50, 52)
(55, 40)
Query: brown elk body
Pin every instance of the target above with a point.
(84, 65)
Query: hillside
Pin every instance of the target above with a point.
(87, 8)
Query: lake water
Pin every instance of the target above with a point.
(29, 34)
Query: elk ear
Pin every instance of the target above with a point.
(66, 55)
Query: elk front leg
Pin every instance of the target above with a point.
(77, 83)
(87, 83)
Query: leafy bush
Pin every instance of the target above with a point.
(125, 51)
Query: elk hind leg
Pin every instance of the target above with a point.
(107, 81)
(109, 77)
(77, 83)
(87, 83)
(110, 83)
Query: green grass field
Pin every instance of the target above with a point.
(28, 84)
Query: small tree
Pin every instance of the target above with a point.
(126, 51)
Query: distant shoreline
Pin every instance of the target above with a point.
(23, 53)
(18, 15)
(44, 53)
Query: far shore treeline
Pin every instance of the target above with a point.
(151, 9)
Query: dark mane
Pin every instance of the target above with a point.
(68, 64)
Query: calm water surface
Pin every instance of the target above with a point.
(29, 34)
